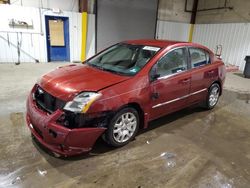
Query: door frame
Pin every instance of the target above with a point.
(66, 35)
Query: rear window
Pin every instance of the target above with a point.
(199, 57)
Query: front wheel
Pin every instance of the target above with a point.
(123, 127)
(213, 96)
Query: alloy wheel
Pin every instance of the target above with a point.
(124, 127)
(214, 96)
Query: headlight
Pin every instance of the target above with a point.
(82, 102)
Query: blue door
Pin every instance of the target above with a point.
(57, 38)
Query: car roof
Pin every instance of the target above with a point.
(164, 43)
(156, 43)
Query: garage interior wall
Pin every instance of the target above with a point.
(173, 21)
(212, 27)
(33, 40)
(66, 5)
(234, 38)
(125, 20)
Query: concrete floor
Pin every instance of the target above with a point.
(190, 148)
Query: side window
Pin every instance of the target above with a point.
(198, 57)
(173, 62)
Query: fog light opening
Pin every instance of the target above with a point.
(52, 133)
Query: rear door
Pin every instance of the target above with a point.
(203, 73)
(170, 91)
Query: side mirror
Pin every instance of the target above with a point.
(154, 74)
(218, 51)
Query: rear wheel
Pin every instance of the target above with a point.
(213, 96)
(123, 127)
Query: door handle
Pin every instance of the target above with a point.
(185, 81)
(210, 72)
(155, 96)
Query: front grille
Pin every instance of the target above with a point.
(47, 102)
(78, 120)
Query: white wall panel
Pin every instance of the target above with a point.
(172, 31)
(234, 38)
(67, 5)
(34, 40)
(28, 14)
(32, 44)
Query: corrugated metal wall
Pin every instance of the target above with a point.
(234, 38)
(172, 30)
(33, 41)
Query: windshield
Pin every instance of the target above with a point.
(125, 59)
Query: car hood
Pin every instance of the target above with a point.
(65, 82)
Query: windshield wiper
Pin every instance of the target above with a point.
(113, 71)
(96, 66)
(108, 70)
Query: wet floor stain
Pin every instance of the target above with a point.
(17, 118)
(244, 96)
(190, 148)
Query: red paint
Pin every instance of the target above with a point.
(67, 81)
(117, 91)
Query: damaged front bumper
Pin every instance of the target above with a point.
(57, 138)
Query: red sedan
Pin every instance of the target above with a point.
(120, 90)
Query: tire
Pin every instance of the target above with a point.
(123, 127)
(213, 96)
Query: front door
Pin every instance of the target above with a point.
(57, 37)
(170, 91)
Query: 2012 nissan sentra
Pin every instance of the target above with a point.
(118, 91)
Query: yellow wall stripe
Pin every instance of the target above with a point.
(191, 30)
(84, 35)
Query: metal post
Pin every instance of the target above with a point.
(192, 21)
